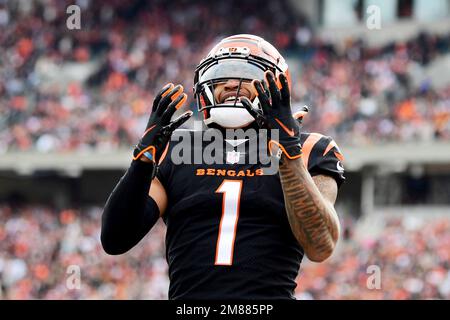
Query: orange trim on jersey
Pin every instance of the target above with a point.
(339, 156)
(330, 146)
(308, 145)
(283, 149)
(286, 129)
(235, 224)
(220, 227)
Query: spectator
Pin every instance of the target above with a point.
(38, 245)
(125, 52)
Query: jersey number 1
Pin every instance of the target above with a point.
(231, 190)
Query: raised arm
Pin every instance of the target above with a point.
(139, 198)
(130, 212)
(309, 201)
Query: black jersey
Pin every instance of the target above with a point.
(228, 236)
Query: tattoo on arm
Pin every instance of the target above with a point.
(311, 213)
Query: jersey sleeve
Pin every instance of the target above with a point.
(321, 155)
(166, 165)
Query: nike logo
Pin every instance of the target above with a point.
(286, 129)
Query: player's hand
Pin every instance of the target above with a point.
(276, 114)
(159, 127)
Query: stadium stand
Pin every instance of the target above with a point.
(39, 243)
(65, 93)
(90, 89)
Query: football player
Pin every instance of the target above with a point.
(233, 232)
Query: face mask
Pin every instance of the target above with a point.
(229, 117)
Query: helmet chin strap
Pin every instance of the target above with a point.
(217, 118)
(223, 108)
(208, 121)
(237, 111)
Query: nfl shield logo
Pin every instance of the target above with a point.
(233, 157)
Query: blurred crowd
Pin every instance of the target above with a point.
(370, 95)
(50, 254)
(409, 259)
(43, 250)
(90, 89)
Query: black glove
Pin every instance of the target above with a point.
(159, 127)
(276, 114)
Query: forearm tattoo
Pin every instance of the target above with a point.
(312, 218)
